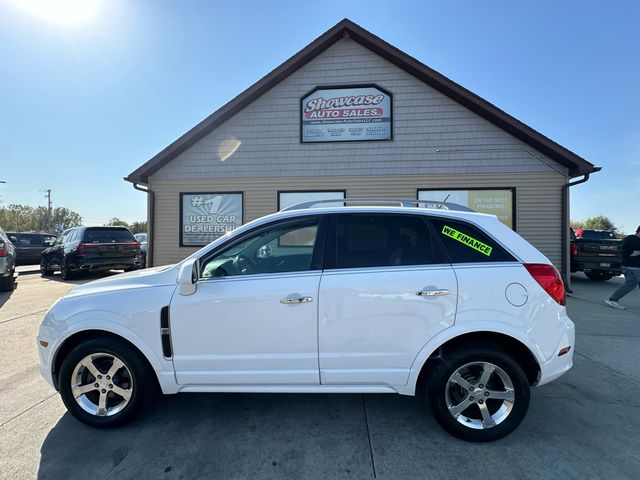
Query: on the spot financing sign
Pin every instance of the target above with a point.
(346, 114)
(207, 216)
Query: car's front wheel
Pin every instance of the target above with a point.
(104, 382)
(478, 393)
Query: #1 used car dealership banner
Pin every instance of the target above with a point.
(346, 114)
(207, 216)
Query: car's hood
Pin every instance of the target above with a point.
(148, 277)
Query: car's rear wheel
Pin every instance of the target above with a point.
(478, 394)
(65, 272)
(105, 382)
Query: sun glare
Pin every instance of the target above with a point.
(64, 12)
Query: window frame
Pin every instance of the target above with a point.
(514, 215)
(317, 257)
(439, 254)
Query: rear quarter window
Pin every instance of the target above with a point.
(108, 235)
(465, 243)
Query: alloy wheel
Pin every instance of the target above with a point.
(102, 384)
(480, 395)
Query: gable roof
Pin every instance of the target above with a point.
(576, 165)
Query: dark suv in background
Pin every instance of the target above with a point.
(92, 248)
(29, 246)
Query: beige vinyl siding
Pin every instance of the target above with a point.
(538, 201)
(432, 134)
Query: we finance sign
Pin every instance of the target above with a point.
(340, 114)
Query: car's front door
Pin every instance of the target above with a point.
(386, 290)
(253, 317)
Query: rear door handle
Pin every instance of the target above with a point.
(433, 293)
(294, 300)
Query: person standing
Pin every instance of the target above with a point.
(631, 268)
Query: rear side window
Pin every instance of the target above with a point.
(465, 243)
(107, 235)
(379, 240)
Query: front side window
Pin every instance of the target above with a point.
(381, 240)
(465, 243)
(287, 247)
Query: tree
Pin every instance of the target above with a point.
(24, 218)
(116, 222)
(600, 222)
(138, 227)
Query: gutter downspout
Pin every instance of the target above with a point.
(151, 203)
(566, 266)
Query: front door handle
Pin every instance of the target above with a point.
(433, 293)
(294, 300)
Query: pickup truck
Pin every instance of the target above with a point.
(597, 253)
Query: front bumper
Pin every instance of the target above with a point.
(558, 364)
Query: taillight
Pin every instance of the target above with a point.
(83, 246)
(574, 249)
(3, 249)
(549, 279)
(135, 245)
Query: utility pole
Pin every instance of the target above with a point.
(48, 209)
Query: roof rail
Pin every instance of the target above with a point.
(401, 202)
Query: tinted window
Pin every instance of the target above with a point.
(379, 240)
(107, 235)
(467, 244)
(29, 240)
(284, 248)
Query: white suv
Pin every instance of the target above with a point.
(449, 305)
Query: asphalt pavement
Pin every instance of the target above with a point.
(584, 425)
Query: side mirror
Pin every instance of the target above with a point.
(188, 277)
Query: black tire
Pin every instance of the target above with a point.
(441, 370)
(45, 270)
(143, 388)
(598, 276)
(65, 272)
(8, 283)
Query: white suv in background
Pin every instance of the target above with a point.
(449, 305)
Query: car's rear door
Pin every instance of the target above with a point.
(386, 290)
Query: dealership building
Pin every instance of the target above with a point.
(352, 116)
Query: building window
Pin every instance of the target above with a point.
(495, 201)
(286, 199)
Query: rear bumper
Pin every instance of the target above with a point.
(558, 364)
(107, 263)
(615, 267)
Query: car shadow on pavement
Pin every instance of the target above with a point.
(221, 436)
(83, 277)
(4, 296)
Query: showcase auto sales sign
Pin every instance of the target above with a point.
(346, 114)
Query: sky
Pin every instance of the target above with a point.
(89, 94)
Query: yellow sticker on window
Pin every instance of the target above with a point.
(467, 240)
